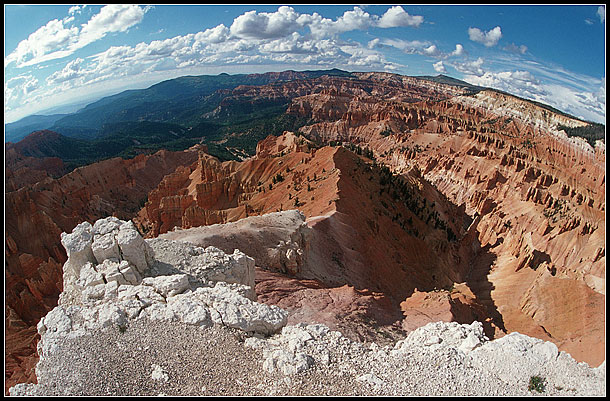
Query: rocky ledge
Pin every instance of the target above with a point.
(161, 317)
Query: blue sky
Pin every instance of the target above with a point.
(56, 55)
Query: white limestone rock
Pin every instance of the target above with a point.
(187, 309)
(107, 225)
(93, 293)
(89, 276)
(168, 286)
(287, 362)
(515, 356)
(109, 251)
(78, 247)
(147, 294)
(133, 247)
(371, 380)
(105, 247)
(204, 264)
(56, 321)
(158, 373)
(111, 314)
(462, 337)
(234, 310)
(296, 348)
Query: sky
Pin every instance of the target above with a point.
(58, 55)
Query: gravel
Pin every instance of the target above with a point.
(153, 357)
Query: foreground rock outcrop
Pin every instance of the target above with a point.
(161, 322)
(35, 217)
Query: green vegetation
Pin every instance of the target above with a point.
(366, 152)
(591, 132)
(528, 144)
(278, 178)
(131, 138)
(386, 132)
(401, 191)
(537, 383)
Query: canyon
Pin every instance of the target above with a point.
(418, 201)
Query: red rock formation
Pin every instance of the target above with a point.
(35, 217)
(458, 304)
(503, 159)
(372, 234)
(21, 170)
(359, 314)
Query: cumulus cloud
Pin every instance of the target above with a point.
(356, 19)
(601, 12)
(470, 67)
(217, 34)
(432, 50)
(459, 50)
(440, 67)
(256, 38)
(111, 18)
(397, 16)
(256, 25)
(76, 9)
(285, 21)
(520, 83)
(57, 40)
(71, 71)
(489, 38)
(19, 87)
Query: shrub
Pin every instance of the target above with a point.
(536, 384)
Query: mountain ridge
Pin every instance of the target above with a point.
(87, 122)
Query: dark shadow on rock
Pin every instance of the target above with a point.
(539, 257)
(478, 282)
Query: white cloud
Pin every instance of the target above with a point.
(19, 87)
(76, 9)
(217, 46)
(589, 105)
(353, 20)
(470, 67)
(56, 40)
(253, 25)
(424, 48)
(459, 50)
(217, 34)
(440, 67)
(44, 41)
(513, 48)
(489, 38)
(432, 50)
(111, 18)
(356, 19)
(397, 16)
(71, 71)
(407, 46)
(601, 12)
(520, 83)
